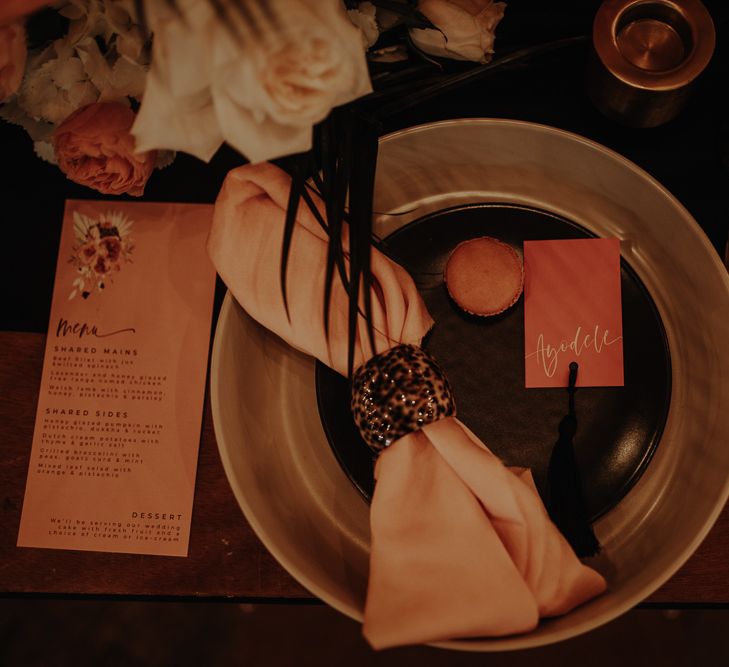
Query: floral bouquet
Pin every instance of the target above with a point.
(109, 89)
(101, 248)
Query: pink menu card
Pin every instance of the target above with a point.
(114, 452)
(573, 312)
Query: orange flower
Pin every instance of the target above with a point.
(12, 58)
(94, 148)
(87, 252)
(10, 10)
(102, 265)
(110, 247)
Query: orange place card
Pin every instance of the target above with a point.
(573, 312)
(114, 454)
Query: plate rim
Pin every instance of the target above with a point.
(227, 309)
(512, 642)
(572, 136)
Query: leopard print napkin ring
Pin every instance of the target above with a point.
(397, 392)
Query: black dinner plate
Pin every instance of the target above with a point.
(619, 427)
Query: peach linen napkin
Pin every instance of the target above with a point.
(462, 546)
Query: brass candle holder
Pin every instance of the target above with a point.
(646, 55)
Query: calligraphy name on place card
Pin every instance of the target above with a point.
(572, 312)
(114, 452)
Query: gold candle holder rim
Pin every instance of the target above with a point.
(697, 19)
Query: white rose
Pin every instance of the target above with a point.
(465, 28)
(261, 91)
(365, 18)
(177, 110)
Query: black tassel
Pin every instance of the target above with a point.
(566, 500)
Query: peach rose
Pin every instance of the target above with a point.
(12, 58)
(11, 10)
(95, 148)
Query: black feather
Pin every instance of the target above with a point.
(344, 161)
(361, 194)
(245, 13)
(336, 158)
(289, 224)
(141, 17)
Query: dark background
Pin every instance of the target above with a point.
(685, 155)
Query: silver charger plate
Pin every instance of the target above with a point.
(301, 503)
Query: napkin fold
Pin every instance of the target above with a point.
(245, 246)
(461, 545)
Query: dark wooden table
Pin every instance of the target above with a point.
(226, 560)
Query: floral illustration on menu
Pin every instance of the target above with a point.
(101, 249)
